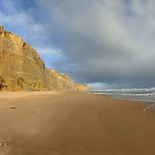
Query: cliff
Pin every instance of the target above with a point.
(21, 68)
(81, 87)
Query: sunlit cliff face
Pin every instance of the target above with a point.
(21, 68)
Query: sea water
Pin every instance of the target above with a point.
(146, 95)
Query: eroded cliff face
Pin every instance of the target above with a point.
(82, 87)
(21, 68)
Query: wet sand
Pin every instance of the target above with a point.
(70, 123)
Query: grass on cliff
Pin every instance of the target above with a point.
(2, 83)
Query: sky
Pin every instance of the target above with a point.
(102, 43)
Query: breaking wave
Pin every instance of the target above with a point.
(129, 91)
(139, 94)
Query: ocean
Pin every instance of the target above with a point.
(145, 95)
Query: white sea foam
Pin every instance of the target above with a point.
(138, 94)
(128, 91)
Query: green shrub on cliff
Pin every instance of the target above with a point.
(2, 81)
(20, 81)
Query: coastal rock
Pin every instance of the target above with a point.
(1, 28)
(82, 87)
(21, 68)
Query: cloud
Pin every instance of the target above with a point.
(105, 41)
(49, 55)
(98, 86)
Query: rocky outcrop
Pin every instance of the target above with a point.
(82, 87)
(21, 68)
(1, 28)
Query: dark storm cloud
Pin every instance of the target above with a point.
(105, 40)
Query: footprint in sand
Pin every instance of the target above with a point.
(4, 147)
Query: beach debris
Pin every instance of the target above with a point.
(147, 108)
(13, 107)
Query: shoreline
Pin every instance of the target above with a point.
(24, 94)
(149, 102)
(75, 123)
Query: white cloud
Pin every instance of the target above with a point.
(97, 86)
(51, 53)
(37, 28)
(20, 17)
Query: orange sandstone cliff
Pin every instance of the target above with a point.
(21, 68)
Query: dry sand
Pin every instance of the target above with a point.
(70, 123)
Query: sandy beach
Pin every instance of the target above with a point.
(74, 123)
